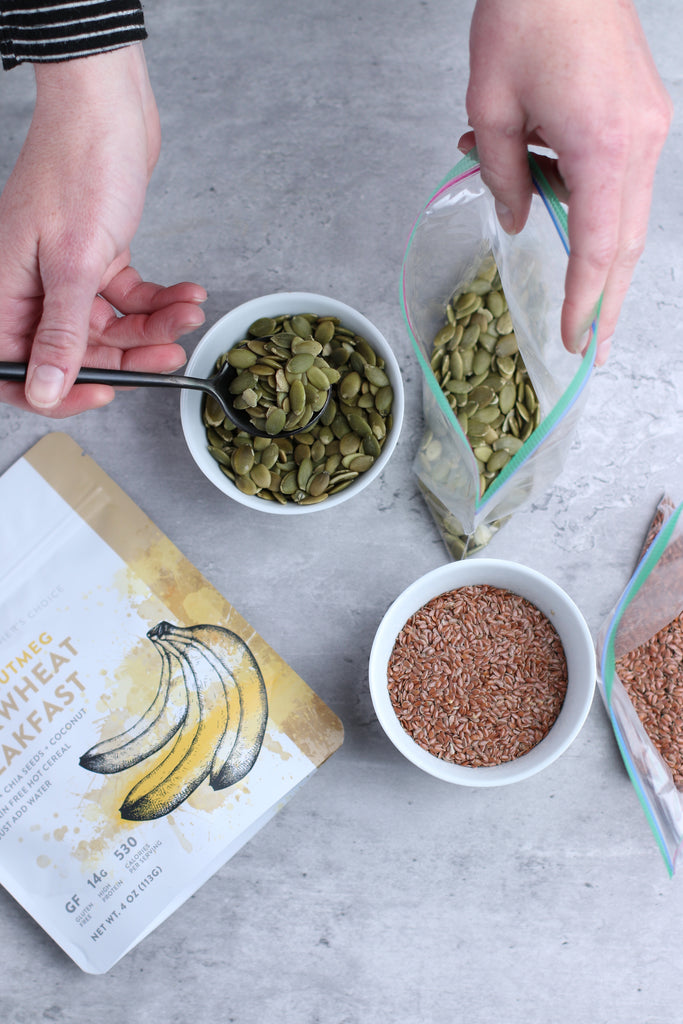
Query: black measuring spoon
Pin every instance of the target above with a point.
(217, 386)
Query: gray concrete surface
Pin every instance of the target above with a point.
(300, 141)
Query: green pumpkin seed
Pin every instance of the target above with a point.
(470, 336)
(219, 455)
(275, 420)
(506, 345)
(349, 386)
(306, 346)
(507, 443)
(260, 475)
(482, 395)
(241, 357)
(480, 286)
(246, 485)
(243, 460)
(324, 332)
(476, 428)
(504, 323)
(376, 376)
(297, 397)
(213, 414)
(523, 412)
(498, 461)
(444, 335)
(488, 414)
(481, 361)
(300, 363)
(483, 452)
(288, 484)
(365, 351)
(350, 443)
(371, 446)
(359, 463)
(467, 361)
(304, 472)
(495, 301)
(458, 387)
(262, 328)
(507, 397)
(488, 341)
(506, 366)
(318, 378)
(318, 484)
(359, 424)
(301, 326)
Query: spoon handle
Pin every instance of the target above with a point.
(117, 378)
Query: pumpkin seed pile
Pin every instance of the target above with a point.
(281, 378)
(458, 543)
(478, 366)
(344, 443)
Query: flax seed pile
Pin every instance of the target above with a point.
(477, 676)
(653, 679)
(652, 674)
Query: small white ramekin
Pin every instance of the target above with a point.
(562, 613)
(232, 328)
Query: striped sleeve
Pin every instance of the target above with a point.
(37, 31)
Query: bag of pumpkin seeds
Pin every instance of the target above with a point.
(501, 394)
(640, 657)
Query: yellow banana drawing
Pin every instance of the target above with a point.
(151, 732)
(234, 760)
(171, 781)
(209, 713)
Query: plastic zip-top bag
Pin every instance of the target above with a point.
(501, 395)
(640, 657)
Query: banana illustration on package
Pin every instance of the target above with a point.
(208, 719)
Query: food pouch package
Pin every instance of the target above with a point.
(146, 731)
(501, 395)
(640, 657)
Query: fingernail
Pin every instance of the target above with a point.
(45, 386)
(603, 350)
(190, 325)
(506, 218)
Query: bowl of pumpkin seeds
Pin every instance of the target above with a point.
(292, 350)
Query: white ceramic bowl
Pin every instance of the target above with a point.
(232, 328)
(548, 598)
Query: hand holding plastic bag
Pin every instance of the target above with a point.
(456, 232)
(576, 76)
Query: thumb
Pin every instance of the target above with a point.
(59, 345)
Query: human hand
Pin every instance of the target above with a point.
(68, 214)
(577, 77)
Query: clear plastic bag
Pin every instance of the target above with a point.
(453, 235)
(640, 658)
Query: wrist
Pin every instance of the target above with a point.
(100, 89)
(96, 73)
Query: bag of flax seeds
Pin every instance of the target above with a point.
(640, 657)
(501, 395)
